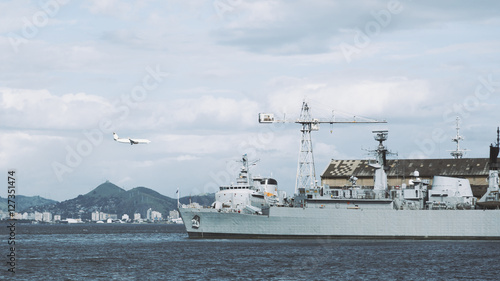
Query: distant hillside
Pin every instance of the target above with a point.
(25, 202)
(204, 199)
(110, 198)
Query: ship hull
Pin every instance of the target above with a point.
(301, 223)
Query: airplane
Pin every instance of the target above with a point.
(129, 140)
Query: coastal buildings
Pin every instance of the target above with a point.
(153, 215)
(137, 217)
(46, 217)
(173, 215)
(96, 216)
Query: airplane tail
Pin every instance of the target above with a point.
(115, 136)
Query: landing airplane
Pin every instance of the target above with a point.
(129, 140)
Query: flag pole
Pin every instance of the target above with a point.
(177, 198)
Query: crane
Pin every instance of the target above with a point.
(306, 175)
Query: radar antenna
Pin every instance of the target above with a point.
(380, 163)
(306, 175)
(382, 152)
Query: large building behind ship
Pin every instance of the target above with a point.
(401, 171)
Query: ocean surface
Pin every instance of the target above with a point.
(164, 252)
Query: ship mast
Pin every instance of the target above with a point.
(380, 164)
(306, 174)
(458, 153)
(381, 161)
(245, 176)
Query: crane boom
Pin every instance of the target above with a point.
(306, 174)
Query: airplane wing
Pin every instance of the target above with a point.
(122, 140)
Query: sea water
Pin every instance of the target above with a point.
(164, 252)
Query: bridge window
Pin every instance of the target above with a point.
(272, 181)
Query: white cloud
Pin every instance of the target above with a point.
(39, 109)
(111, 7)
(392, 97)
(261, 56)
(13, 20)
(207, 111)
(187, 158)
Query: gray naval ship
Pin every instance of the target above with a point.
(254, 207)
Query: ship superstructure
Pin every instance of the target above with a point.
(255, 208)
(248, 194)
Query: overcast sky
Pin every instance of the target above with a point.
(192, 76)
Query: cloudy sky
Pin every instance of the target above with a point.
(192, 76)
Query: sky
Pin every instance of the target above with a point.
(193, 75)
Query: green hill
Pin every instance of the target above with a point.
(110, 198)
(140, 199)
(106, 189)
(25, 202)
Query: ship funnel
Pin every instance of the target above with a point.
(494, 149)
(493, 157)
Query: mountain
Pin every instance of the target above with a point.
(105, 190)
(25, 202)
(111, 199)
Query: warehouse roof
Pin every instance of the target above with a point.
(465, 167)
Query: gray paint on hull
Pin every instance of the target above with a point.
(201, 235)
(285, 222)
